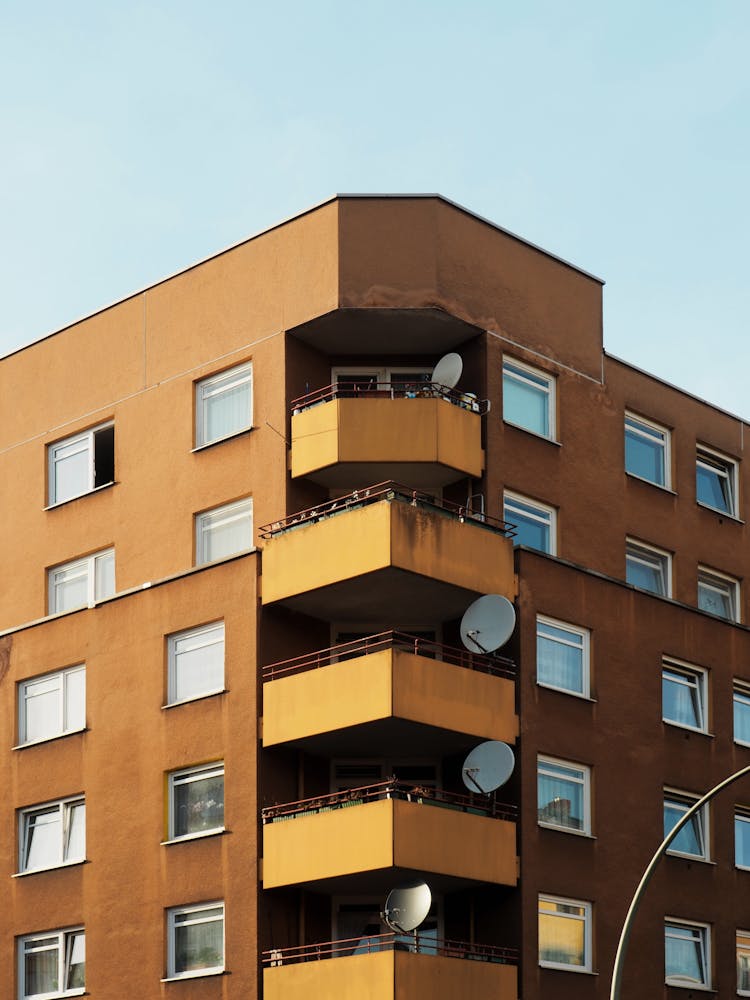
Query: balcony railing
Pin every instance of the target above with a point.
(391, 390)
(367, 944)
(391, 788)
(386, 491)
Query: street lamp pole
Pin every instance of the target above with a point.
(622, 946)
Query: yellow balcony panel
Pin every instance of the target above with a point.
(414, 833)
(391, 975)
(374, 557)
(428, 441)
(389, 684)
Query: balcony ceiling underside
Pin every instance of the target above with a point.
(419, 475)
(386, 332)
(380, 881)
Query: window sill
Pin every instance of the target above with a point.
(742, 743)
(222, 440)
(79, 496)
(564, 829)
(721, 513)
(572, 694)
(217, 562)
(690, 857)
(190, 837)
(199, 974)
(567, 968)
(52, 868)
(690, 986)
(536, 434)
(50, 739)
(688, 729)
(649, 482)
(198, 697)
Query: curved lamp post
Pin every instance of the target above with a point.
(622, 946)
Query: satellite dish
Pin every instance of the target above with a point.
(406, 906)
(447, 371)
(488, 623)
(488, 766)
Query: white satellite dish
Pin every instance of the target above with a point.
(488, 766)
(406, 906)
(447, 371)
(488, 623)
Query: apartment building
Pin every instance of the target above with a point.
(241, 525)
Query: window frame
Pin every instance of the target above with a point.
(172, 660)
(21, 700)
(705, 945)
(714, 579)
(521, 376)
(586, 918)
(742, 948)
(65, 939)
(65, 807)
(712, 459)
(585, 636)
(686, 671)
(584, 782)
(539, 506)
(88, 438)
(701, 822)
(241, 373)
(197, 772)
(176, 911)
(741, 815)
(222, 509)
(741, 690)
(634, 548)
(90, 562)
(647, 425)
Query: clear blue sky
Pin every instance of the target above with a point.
(139, 137)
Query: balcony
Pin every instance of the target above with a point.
(426, 435)
(386, 967)
(389, 825)
(382, 690)
(370, 555)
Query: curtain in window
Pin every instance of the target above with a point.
(680, 702)
(41, 974)
(684, 955)
(742, 720)
(561, 940)
(558, 664)
(199, 945)
(526, 406)
(42, 708)
(228, 411)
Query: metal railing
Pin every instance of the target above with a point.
(391, 788)
(391, 390)
(499, 666)
(388, 490)
(367, 944)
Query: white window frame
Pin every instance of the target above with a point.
(582, 634)
(545, 515)
(383, 374)
(64, 808)
(586, 918)
(215, 633)
(65, 940)
(722, 583)
(234, 511)
(741, 695)
(705, 946)
(62, 708)
(691, 676)
(642, 551)
(85, 567)
(740, 816)
(584, 781)
(728, 467)
(85, 442)
(528, 375)
(214, 385)
(702, 819)
(184, 776)
(172, 915)
(651, 432)
(743, 949)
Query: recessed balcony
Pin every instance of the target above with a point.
(390, 967)
(389, 825)
(372, 554)
(389, 689)
(425, 435)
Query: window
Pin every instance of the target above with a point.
(742, 713)
(52, 705)
(693, 837)
(565, 934)
(648, 568)
(718, 594)
(562, 656)
(687, 954)
(535, 523)
(195, 940)
(223, 404)
(81, 463)
(563, 795)
(528, 398)
(683, 695)
(52, 964)
(743, 963)
(196, 801)
(82, 582)
(224, 531)
(742, 838)
(358, 381)
(716, 481)
(647, 450)
(51, 835)
(196, 662)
